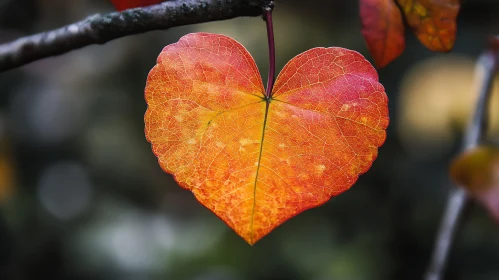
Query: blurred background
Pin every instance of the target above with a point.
(82, 195)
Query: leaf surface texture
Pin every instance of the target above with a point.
(256, 161)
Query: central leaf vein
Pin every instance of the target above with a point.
(267, 103)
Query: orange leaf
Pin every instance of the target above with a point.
(256, 163)
(7, 171)
(433, 21)
(6, 178)
(383, 30)
(121, 5)
(477, 170)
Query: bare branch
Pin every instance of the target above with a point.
(486, 68)
(448, 227)
(99, 29)
(484, 77)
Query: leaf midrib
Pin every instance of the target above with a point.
(267, 104)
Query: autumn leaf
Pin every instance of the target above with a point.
(121, 5)
(7, 172)
(383, 30)
(433, 21)
(477, 170)
(6, 178)
(256, 161)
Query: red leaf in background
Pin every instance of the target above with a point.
(383, 30)
(121, 5)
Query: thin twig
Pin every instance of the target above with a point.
(485, 70)
(99, 29)
(270, 36)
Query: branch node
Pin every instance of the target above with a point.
(269, 6)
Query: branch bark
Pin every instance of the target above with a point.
(99, 29)
(475, 134)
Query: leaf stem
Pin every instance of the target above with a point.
(458, 198)
(267, 13)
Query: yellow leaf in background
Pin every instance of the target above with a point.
(477, 170)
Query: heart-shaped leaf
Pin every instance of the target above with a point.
(256, 161)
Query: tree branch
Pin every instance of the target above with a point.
(99, 29)
(485, 70)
